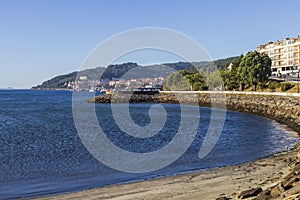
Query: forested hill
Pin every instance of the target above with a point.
(223, 63)
(120, 70)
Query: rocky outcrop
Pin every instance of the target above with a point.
(288, 188)
(284, 109)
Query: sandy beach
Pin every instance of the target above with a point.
(209, 184)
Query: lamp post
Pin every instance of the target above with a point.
(298, 82)
(262, 77)
(258, 77)
(297, 68)
(267, 77)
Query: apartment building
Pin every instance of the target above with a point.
(285, 55)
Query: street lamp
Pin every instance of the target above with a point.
(262, 81)
(258, 77)
(267, 77)
(298, 82)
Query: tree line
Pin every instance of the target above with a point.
(252, 70)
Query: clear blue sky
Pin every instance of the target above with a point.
(40, 39)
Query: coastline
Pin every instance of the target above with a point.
(281, 107)
(213, 183)
(206, 184)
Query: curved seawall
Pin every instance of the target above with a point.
(284, 108)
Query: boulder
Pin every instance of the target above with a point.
(265, 195)
(249, 193)
(277, 190)
(291, 192)
(292, 182)
(223, 198)
(293, 197)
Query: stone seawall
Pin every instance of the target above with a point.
(284, 109)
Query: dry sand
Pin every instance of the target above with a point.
(206, 185)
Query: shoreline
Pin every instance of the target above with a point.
(283, 108)
(211, 183)
(206, 184)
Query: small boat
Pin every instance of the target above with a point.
(108, 92)
(103, 91)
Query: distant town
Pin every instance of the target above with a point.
(114, 84)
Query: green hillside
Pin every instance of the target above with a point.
(132, 70)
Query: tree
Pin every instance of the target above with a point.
(237, 73)
(196, 81)
(176, 81)
(232, 78)
(254, 68)
(215, 81)
(185, 80)
(266, 71)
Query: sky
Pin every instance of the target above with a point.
(40, 39)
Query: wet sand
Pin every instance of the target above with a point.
(209, 184)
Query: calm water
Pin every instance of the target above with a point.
(41, 152)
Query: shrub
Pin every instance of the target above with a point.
(273, 85)
(286, 86)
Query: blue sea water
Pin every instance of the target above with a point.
(41, 152)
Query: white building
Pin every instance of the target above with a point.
(284, 54)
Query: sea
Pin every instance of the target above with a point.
(42, 153)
